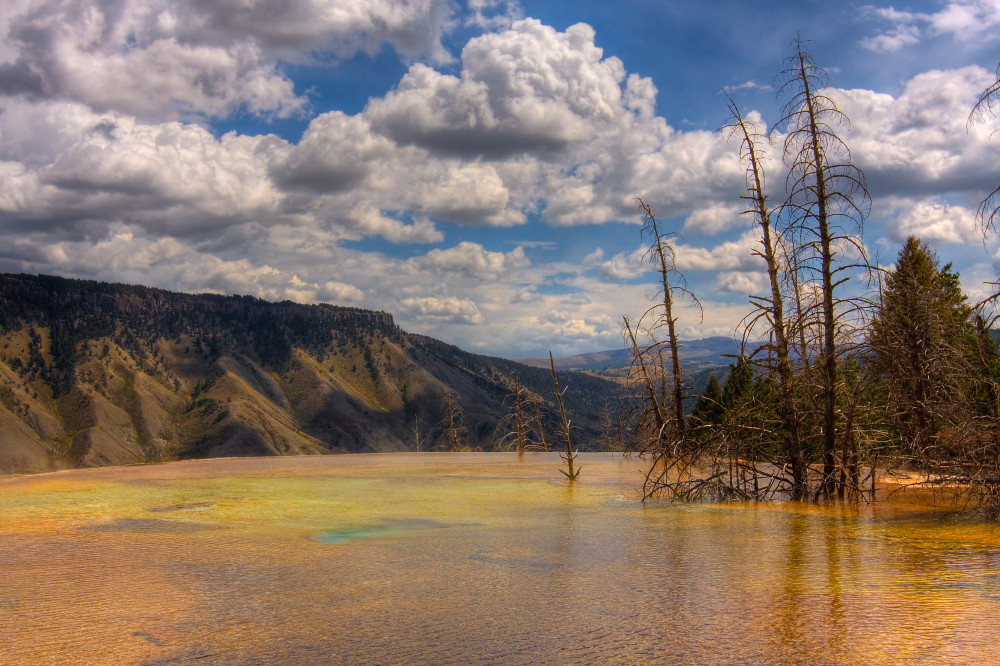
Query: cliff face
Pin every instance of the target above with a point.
(98, 374)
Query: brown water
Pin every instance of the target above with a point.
(472, 559)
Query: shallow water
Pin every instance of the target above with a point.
(472, 558)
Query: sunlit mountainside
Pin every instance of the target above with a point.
(94, 373)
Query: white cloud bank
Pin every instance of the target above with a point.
(105, 171)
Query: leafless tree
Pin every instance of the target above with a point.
(571, 472)
(985, 106)
(827, 201)
(656, 367)
(455, 431)
(513, 427)
(770, 309)
(538, 421)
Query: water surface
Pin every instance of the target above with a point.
(473, 559)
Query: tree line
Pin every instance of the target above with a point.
(848, 370)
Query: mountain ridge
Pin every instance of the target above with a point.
(95, 373)
(713, 350)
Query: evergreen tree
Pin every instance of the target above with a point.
(739, 385)
(708, 409)
(924, 344)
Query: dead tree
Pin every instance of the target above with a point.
(455, 431)
(656, 366)
(827, 201)
(538, 421)
(770, 309)
(989, 208)
(661, 255)
(569, 457)
(514, 426)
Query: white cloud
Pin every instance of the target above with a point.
(339, 292)
(157, 60)
(920, 143)
(748, 85)
(742, 282)
(959, 19)
(493, 14)
(471, 260)
(626, 265)
(526, 295)
(527, 89)
(449, 308)
(936, 221)
(714, 219)
(728, 255)
(594, 257)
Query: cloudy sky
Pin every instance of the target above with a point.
(469, 165)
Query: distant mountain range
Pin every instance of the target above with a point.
(94, 374)
(713, 351)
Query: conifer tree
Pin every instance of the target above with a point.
(924, 345)
(708, 411)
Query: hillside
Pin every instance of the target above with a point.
(96, 374)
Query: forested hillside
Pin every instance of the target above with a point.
(94, 374)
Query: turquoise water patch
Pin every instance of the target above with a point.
(385, 527)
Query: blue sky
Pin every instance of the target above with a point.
(468, 166)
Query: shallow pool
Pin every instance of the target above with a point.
(473, 559)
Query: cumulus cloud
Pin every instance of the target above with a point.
(528, 89)
(526, 295)
(76, 168)
(936, 221)
(561, 324)
(471, 260)
(714, 219)
(742, 282)
(493, 14)
(171, 178)
(339, 292)
(729, 255)
(448, 308)
(157, 60)
(961, 19)
(920, 143)
(626, 265)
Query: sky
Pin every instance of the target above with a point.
(470, 166)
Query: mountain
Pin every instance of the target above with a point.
(715, 351)
(700, 359)
(95, 374)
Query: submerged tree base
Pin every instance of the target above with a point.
(693, 479)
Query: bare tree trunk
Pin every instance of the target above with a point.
(821, 188)
(664, 257)
(569, 457)
(773, 308)
(539, 424)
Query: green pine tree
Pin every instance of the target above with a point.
(923, 343)
(708, 411)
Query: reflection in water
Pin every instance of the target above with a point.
(472, 558)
